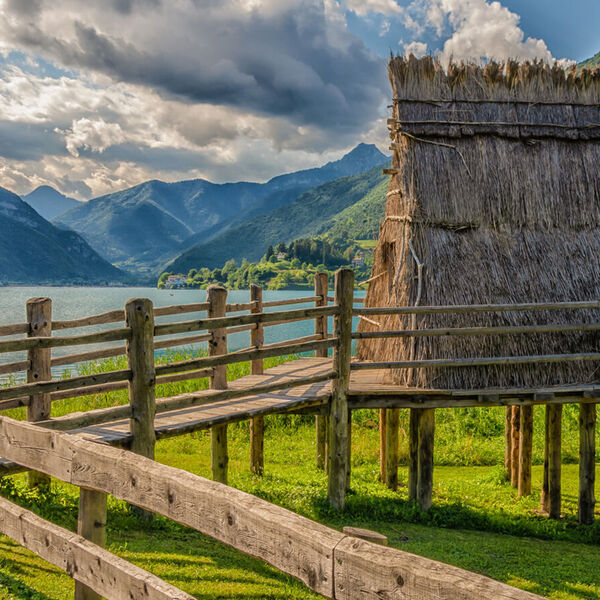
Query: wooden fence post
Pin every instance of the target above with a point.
(39, 317)
(413, 452)
(551, 487)
(139, 315)
(587, 462)
(338, 417)
(321, 289)
(219, 459)
(91, 525)
(425, 457)
(257, 424)
(507, 441)
(525, 450)
(391, 443)
(382, 448)
(515, 424)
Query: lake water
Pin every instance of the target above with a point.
(74, 302)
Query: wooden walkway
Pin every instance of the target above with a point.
(368, 389)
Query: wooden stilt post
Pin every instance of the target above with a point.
(349, 463)
(382, 447)
(338, 418)
(321, 289)
(39, 317)
(219, 459)
(525, 450)
(391, 453)
(551, 487)
(515, 422)
(425, 456)
(139, 315)
(91, 525)
(587, 462)
(257, 424)
(413, 452)
(508, 442)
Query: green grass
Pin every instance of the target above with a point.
(477, 522)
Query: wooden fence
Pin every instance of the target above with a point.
(325, 560)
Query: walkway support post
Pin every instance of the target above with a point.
(39, 317)
(219, 459)
(587, 462)
(321, 290)
(551, 487)
(525, 451)
(515, 425)
(413, 452)
(338, 455)
(425, 457)
(91, 525)
(508, 442)
(139, 316)
(382, 448)
(391, 443)
(257, 424)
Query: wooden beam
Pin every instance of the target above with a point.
(39, 318)
(391, 445)
(551, 486)
(587, 462)
(425, 458)
(257, 424)
(525, 451)
(338, 419)
(507, 442)
(321, 421)
(219, 458)
(382, 445)
(413, 452)
(89, 564)
(515, 427)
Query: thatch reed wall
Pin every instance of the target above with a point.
(496, 192)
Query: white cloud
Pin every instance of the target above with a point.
(417, 48)
(95, 135)
(364, 7)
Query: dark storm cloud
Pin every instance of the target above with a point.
(25, 141)
(274, 62)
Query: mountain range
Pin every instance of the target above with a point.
(49, 202)
(144, 227)
(32, 250)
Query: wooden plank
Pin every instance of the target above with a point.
(182, 341)
(70, 359)
(14, 367)
(14, 329)
(338, 418)
(587, 462)
(291, 301)
(298, 314)
(240, 306)
(55, 342)
(88, 563)
(469, 308)
(39, 317)
(112, 316)
(219, 457)
(363, 570)
(525, 451)
(197, 374)
(366, 534)
(257, 424)
(161, 311)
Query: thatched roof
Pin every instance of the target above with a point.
(495, 189)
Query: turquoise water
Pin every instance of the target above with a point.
(74, 302)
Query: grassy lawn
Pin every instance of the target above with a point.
(477, 521)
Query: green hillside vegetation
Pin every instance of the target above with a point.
(594, 61)
(283, 267)
(306, 216)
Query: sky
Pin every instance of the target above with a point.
(101, 95)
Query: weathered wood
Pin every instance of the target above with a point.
(112, 316)
(474, 331)
(91, 390)
(413, 452)
(91, 525)
(245, 355)
(161, 311)
(219, 458)
(290, 301)
(240, 306)
(366, 534)
(551, 487)
(72, 340)
(382, 444)
(257, 424)
(587, 462)
(391, 444)
(468, 308)
(242, 328)
(363, 570)
(507, 442)
(69, 359)
(197, 374)
(14, 367)
(425, 457)
(338, 418)
(140, 359)
(287, 316)
(39, 317)
(321, 425)
(181, 341)
(484, 361)
(515, 427)
(107, 574)
(14, 329)
(525, 451)
(349, 461)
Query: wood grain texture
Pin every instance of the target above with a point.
(525, 451)
(257, 424)
(515, 427)
(321, 422)
(391, 451)
(551, 486)
(425, 457)
(587, 462)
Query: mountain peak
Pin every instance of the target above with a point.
(49, 202)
